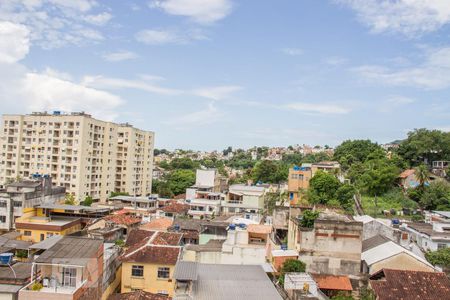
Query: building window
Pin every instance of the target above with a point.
(2, 203)
(17, 203)
(439, 246)
(69, 277)
(27, 233)
(137, 271)
(163, 273)
(3, 219)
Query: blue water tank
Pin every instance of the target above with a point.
(241, 225)
(177, 227)
(56, 113)
(232, 227)
(283, 247)
(6, 258)
(296, 168)
(395, 222)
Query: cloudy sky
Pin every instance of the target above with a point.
(205, 74)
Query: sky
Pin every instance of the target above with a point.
(207, 74)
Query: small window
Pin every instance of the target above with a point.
(27, 233)
(137, 271)
(163, 273)
(3, 219)
(2, 203)
(17, 203)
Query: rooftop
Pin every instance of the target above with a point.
(177, 208)
(407, 173)
(259, 228)
(373, 242)
(157, 224)
(138, 295)
(332, 282)
(399, 284)
(223, 282)
(123, 219)
(71, 250)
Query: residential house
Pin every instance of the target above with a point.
(13, 279)
(125, 222)
(408, 179)
(332, 246)
(205, 197)
(244, 245)
(190, 228)
(298, 181)
(174, 210)
(379, 252)
(429, 237)
(440, 168)
(245, 199)
(36, 226)
(70, 269)
(143, 205)
(390, 284)
(112, 270)
(20, 197)
(222, 282)
(149, 261)
(279, 256)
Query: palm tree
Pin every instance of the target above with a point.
(422, 175)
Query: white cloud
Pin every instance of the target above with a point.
(158, 37)
(433, 73)
(319, 108)
(21, 88)
(292, 51)
(167, 36)
(217, 92)
(99, 19)
(118, 83)
(56, 23)
(409, 17)
(206, 116)
(14, 42)
(119, 56)
(200, 11)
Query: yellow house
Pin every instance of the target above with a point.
(35, 226)
(149, 262)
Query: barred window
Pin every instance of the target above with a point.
(163, 273)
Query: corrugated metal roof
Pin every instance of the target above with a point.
(373, 242)
(47, 243)
(237, 282)
(186, 270)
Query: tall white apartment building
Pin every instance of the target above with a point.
(85, 155)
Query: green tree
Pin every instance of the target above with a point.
(293, 159)
(352, 151)
(423, 145)
(268, 171)
(308, 218)
(436, 196)
(184, 163)
(344, 195)
(88, 201)
(377, 177)
(70, 199)
(291, 265)
(322, 187)
(114, 194)
(440, 257)
(179, 180)
(421, 175)
(162, 188)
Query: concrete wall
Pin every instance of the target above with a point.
(401, 261)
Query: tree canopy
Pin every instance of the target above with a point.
(354, 151)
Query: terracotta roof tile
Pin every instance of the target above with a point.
(123, 219)
(406, 173)
(138, 295)
(157, 224)
(177, 208)
(153, 254)
(167, 238)
(402, 284)
(333, 282)
(258, 228)
(136, 236)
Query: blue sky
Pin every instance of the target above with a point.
(205, 74)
